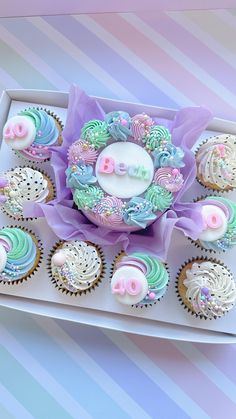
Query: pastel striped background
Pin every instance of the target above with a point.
(52, 369)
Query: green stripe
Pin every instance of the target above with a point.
(27, 390)
(26, 75)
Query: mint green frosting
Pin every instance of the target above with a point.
(157, 136)
(88, 198)
(96, 133)
(159, 197)
(21, 253)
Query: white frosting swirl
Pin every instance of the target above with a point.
(76, 266)
(211, 289)
(216, 161)
(24, 184)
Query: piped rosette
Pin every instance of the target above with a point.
(138, 279)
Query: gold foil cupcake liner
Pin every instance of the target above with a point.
(38, 259)
(208, 185)
(181, 289)
(50, 197)
(117, 259)
(59, 286)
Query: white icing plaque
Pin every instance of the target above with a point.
(124, 170)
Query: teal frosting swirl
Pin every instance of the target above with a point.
(46, 129)
(138, 212)
(80, 176)
(159, 197)
(21, 253)
(96, 133)
(88, 198)
(156, 275)
(119, 124)
(228, 240)
(158, 136)
(168, 156)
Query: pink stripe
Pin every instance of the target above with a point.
(192, 47)
(193, 382)
(163, 64)
(223, 356)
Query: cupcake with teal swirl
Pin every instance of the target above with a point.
(32, 133)
(119, 125)
(168, 155)
(80, 176)
(88, 198)
(219, 224)
(160, 198)
(20, 254)
(158, 136)
(138, 212)
(95, 132)
(138, 279)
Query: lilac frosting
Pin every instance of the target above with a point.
(68, 223)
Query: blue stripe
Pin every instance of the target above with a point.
(62, 63)
(26, 390)
(138, 385)
(64, 370)
(129, 77)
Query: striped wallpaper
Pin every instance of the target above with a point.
(51, 369)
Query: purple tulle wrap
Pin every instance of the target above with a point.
(70, 224)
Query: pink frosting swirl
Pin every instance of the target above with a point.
(169, 178)
(109, 211)
(82, 151)
(141, 124)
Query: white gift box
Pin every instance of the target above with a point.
(166, 319)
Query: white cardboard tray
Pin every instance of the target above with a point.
(167, 319)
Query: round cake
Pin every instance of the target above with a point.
(21, 185)
(216, 163)
(138, 279)
(76, 266)
(32, 132)
(219, 220)
(19, 254)
(207, 288)
(124, 171)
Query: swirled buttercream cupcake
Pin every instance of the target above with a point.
(138, 279)
(219, 224)
(20, 254)
(32, 132)
(76, 267)
(216, 163)
(123, 172)
(207, 288)
(21, 185)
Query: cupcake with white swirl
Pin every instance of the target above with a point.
(219, 224)
(216, 163)
(138, 279)
(206, 288)
(32, 133)
(21, 185)
(76, 267)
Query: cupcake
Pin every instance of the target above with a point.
(206, 288)
(76, 266)
(219, 220)
(20, 254)
(138, 279)
(32, 132)
(21, 185)
(216, 163)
